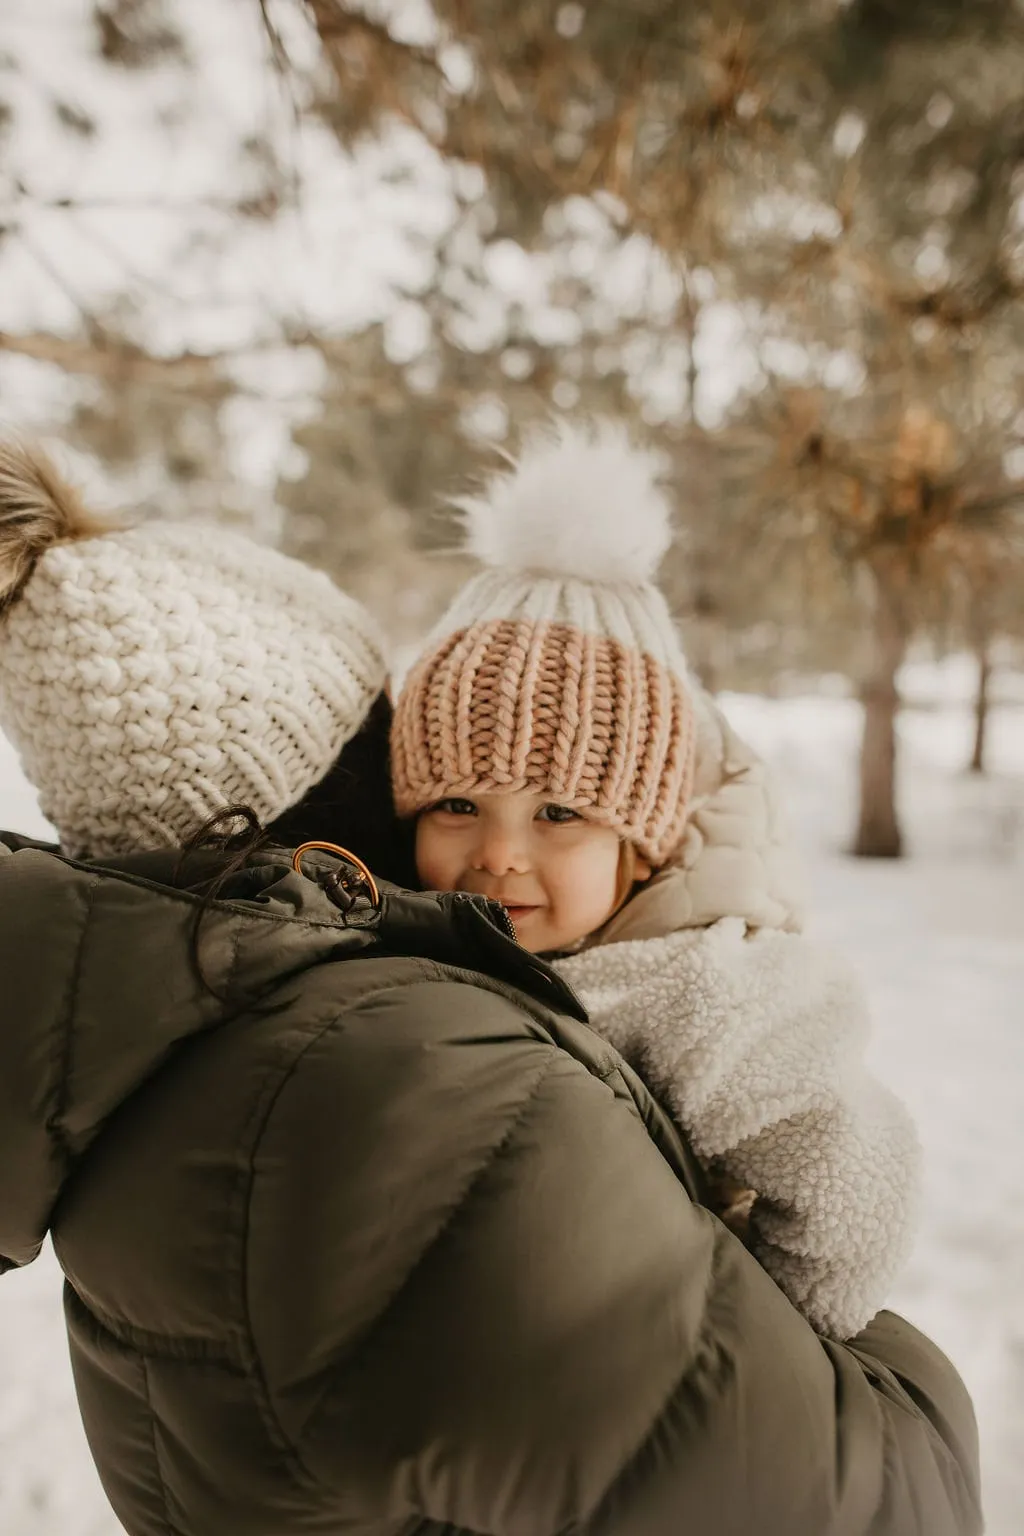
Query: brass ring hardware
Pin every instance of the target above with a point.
(342, 890)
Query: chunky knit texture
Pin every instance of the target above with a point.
(152, 676)
(509, 705)
(735, 858)
(563, 684)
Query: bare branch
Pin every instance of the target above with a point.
(114, 360)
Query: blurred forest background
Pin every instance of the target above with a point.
(303, 263)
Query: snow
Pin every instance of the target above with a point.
(938, 939)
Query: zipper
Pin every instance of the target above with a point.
(506, 922)
(497, 922)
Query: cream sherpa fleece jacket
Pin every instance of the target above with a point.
(753, 1036)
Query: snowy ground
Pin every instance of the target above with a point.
(940, 941)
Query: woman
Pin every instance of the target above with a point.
(364, 1229)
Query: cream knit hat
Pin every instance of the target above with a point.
(557, 668)
(152, 675)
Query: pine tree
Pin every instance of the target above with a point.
(850, 175)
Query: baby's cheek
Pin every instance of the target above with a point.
(591, 897)
(436, 877)
(435, 871)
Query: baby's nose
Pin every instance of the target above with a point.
(501, 852)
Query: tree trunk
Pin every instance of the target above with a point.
(981, 706)
(878, 829)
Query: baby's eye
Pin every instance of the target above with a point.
(554, 812)
(455, 805)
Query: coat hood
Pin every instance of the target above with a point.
(736, 858)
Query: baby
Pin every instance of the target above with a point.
(558, 759)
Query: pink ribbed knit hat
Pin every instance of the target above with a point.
(557, 668)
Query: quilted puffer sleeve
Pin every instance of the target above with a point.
(539, 1332)
(98, 987)
(44, 914)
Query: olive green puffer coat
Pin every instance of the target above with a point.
(404, 1247)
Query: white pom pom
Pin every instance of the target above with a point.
(582, 503)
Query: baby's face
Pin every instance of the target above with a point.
(556, 872)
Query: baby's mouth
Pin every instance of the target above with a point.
(517, 912)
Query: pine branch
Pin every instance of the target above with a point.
(114, 360)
